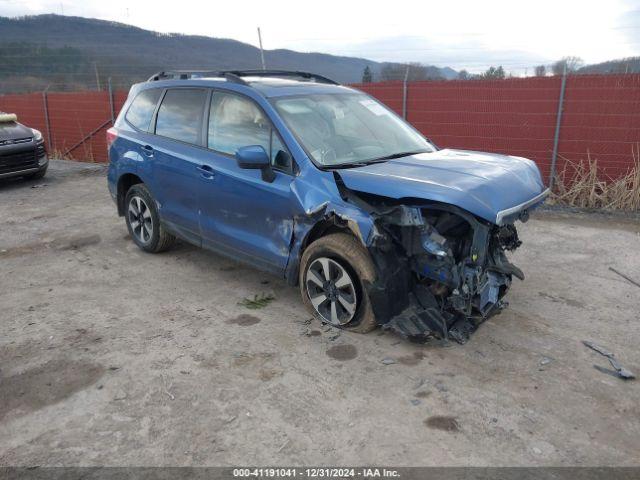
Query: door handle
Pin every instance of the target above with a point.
(147, 150)
(206, 171)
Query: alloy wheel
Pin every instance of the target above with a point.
(140, 219)
(331, 291)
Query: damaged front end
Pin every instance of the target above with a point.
(441, 270)
(458, 266)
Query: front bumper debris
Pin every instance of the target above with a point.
(424, 320)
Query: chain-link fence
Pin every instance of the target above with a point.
(596, 116)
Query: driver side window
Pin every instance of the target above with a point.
(236, 121)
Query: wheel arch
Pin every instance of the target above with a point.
(321, 228)
(125, 182)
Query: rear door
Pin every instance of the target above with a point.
(243, 215)
(176, 154)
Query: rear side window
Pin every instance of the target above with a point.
(180, 115)
(142, 108)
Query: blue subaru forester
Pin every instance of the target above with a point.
(323, 185)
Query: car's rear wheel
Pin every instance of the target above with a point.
(143, 222)
(333, 272)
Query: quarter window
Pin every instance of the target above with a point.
(236, 121)
(142, 108)
(280, 156)
(180, 115)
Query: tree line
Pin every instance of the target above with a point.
(569, 65)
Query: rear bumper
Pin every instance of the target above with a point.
(112, 175)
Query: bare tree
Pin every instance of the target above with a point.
(417, 71)
(540, 71)
(463, 75)
(571, 64)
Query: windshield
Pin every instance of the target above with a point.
(349, 129)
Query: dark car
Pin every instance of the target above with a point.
(22, 151)
(326, 187)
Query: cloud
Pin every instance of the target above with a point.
(629, 25)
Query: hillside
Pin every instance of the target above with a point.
(66, 51)
(624, 65)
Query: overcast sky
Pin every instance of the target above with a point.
(460, 34)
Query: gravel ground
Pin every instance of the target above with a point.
(110, 356)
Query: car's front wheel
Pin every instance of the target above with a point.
(333, 270)
(143, 222)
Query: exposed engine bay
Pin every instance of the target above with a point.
(441, 270)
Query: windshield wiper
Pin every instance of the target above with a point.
(395, 155)
(347, 165)
(376, 160)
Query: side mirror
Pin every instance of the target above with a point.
(255, 157)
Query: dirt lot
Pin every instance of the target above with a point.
(110, 356)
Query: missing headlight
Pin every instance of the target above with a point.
(433, 242)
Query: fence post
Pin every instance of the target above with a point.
(556, 136)
(111, 102)
(46, 118)
(404, 93)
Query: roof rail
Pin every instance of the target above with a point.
(188, 74)
(283, 73)
(235, 76)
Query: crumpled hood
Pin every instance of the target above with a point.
(481, 183)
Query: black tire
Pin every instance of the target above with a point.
(347, 251)
(37, 175)
(157, 239)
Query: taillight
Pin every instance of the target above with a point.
(112, 134)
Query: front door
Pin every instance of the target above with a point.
(243, 215)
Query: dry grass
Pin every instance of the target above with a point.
(61, 155)
(582, 185)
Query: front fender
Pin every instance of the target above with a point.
(318, 204)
